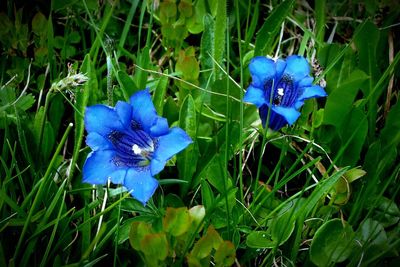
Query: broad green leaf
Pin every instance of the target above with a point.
(354, 174)
(197, 214)
(143, 60)
(39, 24)
(373, 237)
(265, 37)
(260, 239)
(203, 247)
(160, 92)
(386, 212)
(390, 134)
(127, 84)
(177, 221)
(155, 246)
(219, 36)
(207, 43)
(206, 194)
(366, 40)
(332, 243)
(355, 127)
(187, 160)
(137, 232)
(283, 227)
(225, 254)
(339, 102)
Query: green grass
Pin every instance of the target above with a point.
(323, 192)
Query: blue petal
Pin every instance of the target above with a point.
(98, 167)
(275, 122)
(124, 111)
(141, 184)
(290, 114)
(280, 67)
(312, 91)
(255, 96)
(167, 146)
(261, 69)
(159, 127)
(143, 110)
(306, 81)
(102, 119)
(97, 142)
(297, 67)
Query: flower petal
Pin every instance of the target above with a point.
(255, 96)
(297, 67)
(159, 127)
(102, 119)
(124, 111)
(290, 114)
(312, 91)
(141, 184)
(97, 142)
(306, 81)
(261, 69)
(98, 167)
(275, 122)
(143, 109)
(167, 146)
(118, 176)
(280, 67)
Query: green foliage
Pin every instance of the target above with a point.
(333, 243)
(171, 243)
(321, 192)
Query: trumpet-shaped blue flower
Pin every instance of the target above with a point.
(130, 144)
(281, 87)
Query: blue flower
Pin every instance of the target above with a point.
(130, 144)
(281, 87)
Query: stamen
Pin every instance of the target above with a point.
(280, 91)
(136, 149)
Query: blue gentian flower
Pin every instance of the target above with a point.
(130, 144)
(281, 87)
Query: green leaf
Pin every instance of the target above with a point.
(207, 195)
(155, 246)
(386, 212)
(143, 60)
(197, 214)
(187, 160)
(354, 174)
(225, 254)
(266, 35)
(260, 239)
(333, 243)
(203, 247)
(177, 221)
(320, 17)
(390, 134)
(340, 101)
(207, 43)
(320, 191)
(355, 127)
(127, 84)
(373, 237)
(219, 36)
(283, 227)
(137, 232)
(160, 92)
(39, 24)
